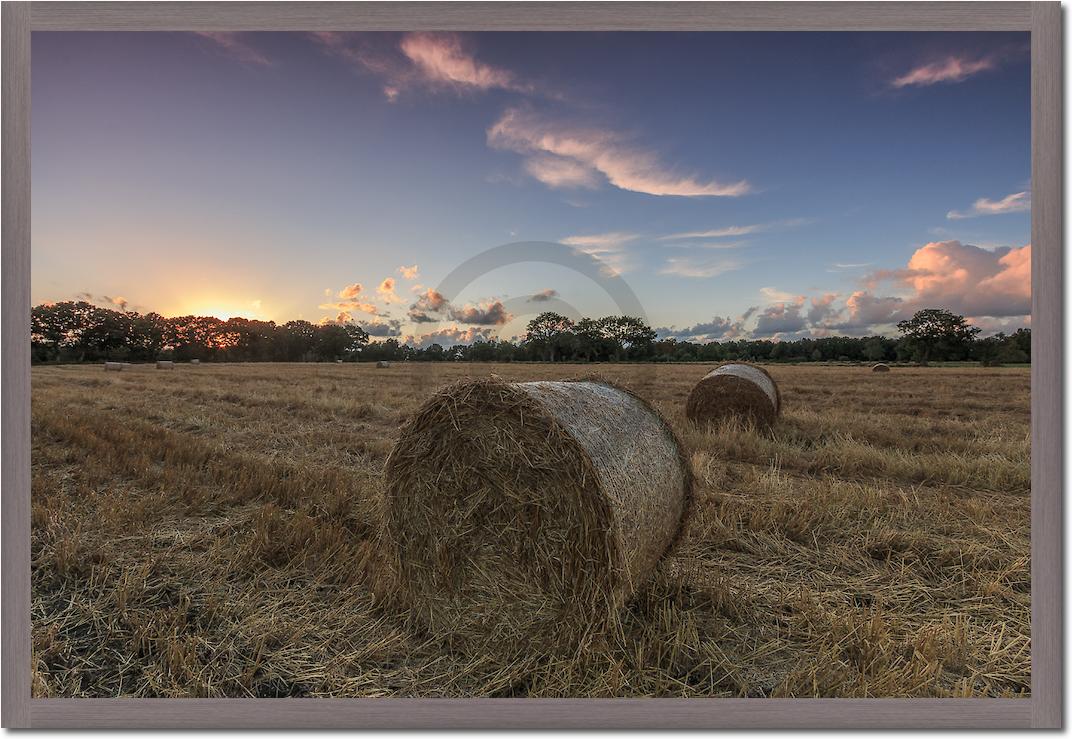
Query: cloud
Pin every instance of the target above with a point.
(716, 233)
(381, 328)
(1017, 202)
(822, 309)
(560, 172)
(410, 273)
(699, 268)
(489, 314)
(449, 337)
(716, 329)
(233, 44)
(349, 292)
(950, 69)
(430, 301)
(607, 248)
(781, 318)
(437, 61)
(118, 301)
(963, 278)
(601, 153)
(350, 305)
(386, 291)
(543, 296)
(441, 59)
(772, 294)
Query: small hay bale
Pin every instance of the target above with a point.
(735, 390)
(165, 364)
(382, 364)
(880, 367)
(195, 361)
(113, 366)
(524, 515)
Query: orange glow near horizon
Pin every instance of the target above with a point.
(222, 309)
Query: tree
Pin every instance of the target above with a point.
(546, 332)
(874, 350)
(629, 334)
(935, 333)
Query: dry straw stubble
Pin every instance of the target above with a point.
(524, 515)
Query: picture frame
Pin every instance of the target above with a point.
(1042, 710)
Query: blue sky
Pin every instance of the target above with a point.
(743, 184)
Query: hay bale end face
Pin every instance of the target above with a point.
(735, 391)
(165, 364)
(524, 515)
(382, 364)
(880, 368)
(113, 366)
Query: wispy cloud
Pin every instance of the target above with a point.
(1017, 202)
(234, 44)
(716, 233)
(699, 268)
(951, 69)
(608, 248)
(599, 153)
(774, 295)
(441, 59)
(435, 61)
(350, 305)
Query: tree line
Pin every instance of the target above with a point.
(78, 331)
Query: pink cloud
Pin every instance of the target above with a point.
(351, 291)
(950, 69)
(410, 273)
(386, 291)
(598, 153)
(441, 59)
(351, 305)
(233, 44)
(488, 314)
(1017, 202)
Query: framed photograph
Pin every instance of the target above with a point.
(532, 365)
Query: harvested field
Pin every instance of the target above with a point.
(212, 532)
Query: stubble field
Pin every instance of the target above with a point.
(212, 531)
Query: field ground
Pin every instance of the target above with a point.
(210, 531)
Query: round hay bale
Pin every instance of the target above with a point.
(524, 515)
(113, 366)
(165, 364)
(735, 390)
(195, 361)
(382, 364)
(880, 367)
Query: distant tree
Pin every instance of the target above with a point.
(546, 332)
(873, 349)
(935, 333)
(629, 335)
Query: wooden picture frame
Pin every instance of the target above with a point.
(1042, 710)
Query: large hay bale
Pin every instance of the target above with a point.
(880, 368)
(165, 364)
(735, 390)
(382, 364)
(524, 515)
(113, 366)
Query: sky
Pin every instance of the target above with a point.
(740, 184)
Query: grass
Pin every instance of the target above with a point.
(211, 531)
